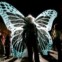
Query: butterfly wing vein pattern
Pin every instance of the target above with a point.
(14, 21)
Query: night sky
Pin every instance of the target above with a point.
(33, 7)
(36, 7)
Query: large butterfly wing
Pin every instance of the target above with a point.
(44, 41)
(44, 23)
(46, 18)
(10, 15)
(14, 21)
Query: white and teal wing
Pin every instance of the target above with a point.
(44, 24)
(14, 22)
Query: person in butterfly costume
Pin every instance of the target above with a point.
(29, 36)
(14, 21)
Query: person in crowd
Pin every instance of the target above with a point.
(7, 45)
(57, 42)
(1, 45)
(60, 51)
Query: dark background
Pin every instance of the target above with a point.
(36, 7)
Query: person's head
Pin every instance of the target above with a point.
(29, 19)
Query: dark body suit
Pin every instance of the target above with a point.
(30, 39)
